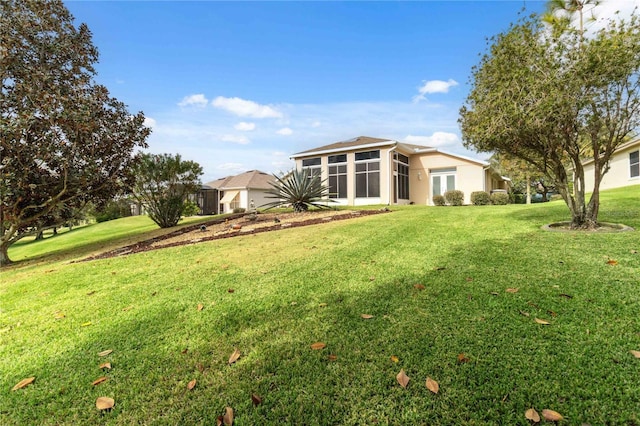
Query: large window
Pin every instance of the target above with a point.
(313, 166)
(401, 167)
(338, 176)
(634, 164)
(367, 174)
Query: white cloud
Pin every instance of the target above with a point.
(237, 167)
(244, 126)
(436, 140)
(239, 139)
(316, 124)
(433, 86)
(244, 108)
(285, 131)
(149, 122)
(198, 100)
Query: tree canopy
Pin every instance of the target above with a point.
(555, 98)
(163, 183)
(64, 141)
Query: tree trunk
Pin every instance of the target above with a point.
(4, 256)
(528, 190)
(40, 236)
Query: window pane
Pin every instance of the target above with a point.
(342, 186)
(367, 155)
(333, 170)
(635, 170)
(362, 167)
(333, 186)
(342, 169)
(634, 157)
(311, 162)
(342, 158)
(374, 184)
(451, 182)
(374, 166)
(361, 185)
(436, 185)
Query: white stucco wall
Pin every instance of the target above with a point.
(619, 171)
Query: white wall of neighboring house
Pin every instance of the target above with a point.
(619, 173)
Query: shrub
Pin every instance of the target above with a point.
(300, 189)
(519, 198)
(438, 200)
(499, 198)
(239, 210)
(480, 198)
(454, 197)
(190, 208)
(555, 197)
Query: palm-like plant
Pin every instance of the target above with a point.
(301, 190)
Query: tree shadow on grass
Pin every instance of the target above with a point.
(456, 305)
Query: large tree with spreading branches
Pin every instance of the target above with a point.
(64, 141)
(553, 97)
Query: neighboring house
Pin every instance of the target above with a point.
(367, 170)
(624, 168)
(240, 191)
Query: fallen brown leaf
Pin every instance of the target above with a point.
(403, 379)
(541, 321)
(494, 293)
(322, 305)
(366, 316)
(191, 384)
(318, 345)
(462, 358)
(533, 304)
(23, 383)
(227, 419)
(255, 399)
(551, 416)
(332, 357)
(566, 296)
(91, 293)
(394, 358)
(419, 287)
(553, 314)
(525, 314)
(230, 290)
(635, 353)
(104, 365)
(532, 414)
(469, 279)
(432, 385)
(99, 380)
(105, 353)
(58, 315)
(511, 290)
(612, 262)
(200, 306)
(372, 278)
(234, 356)
(105, 403)
(128, 308)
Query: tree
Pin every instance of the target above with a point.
(523, 175)
(300, 189)
(555, 98)
(64, 142)
(163, 183)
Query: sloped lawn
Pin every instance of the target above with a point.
(454, 294)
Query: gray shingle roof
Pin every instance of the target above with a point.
(254, 179)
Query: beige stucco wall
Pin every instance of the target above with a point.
(618, 174)
(469, 175)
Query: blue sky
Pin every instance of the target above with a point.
(239, 86)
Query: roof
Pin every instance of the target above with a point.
(358, 142)
(369, 142)
(253, 179)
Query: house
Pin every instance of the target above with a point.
(366, 170)
(624, 168)
(245, 190)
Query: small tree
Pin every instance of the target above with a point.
(556, 98)
(163, 183)
(301, 190)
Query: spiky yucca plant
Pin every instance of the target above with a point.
(299, 189)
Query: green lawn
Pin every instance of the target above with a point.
(272, 295)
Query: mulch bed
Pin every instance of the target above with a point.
(153, 243)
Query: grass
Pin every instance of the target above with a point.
(294, 287)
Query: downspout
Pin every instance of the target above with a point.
(390, 168)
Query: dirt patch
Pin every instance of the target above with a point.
(603, 228)
(234, 226)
